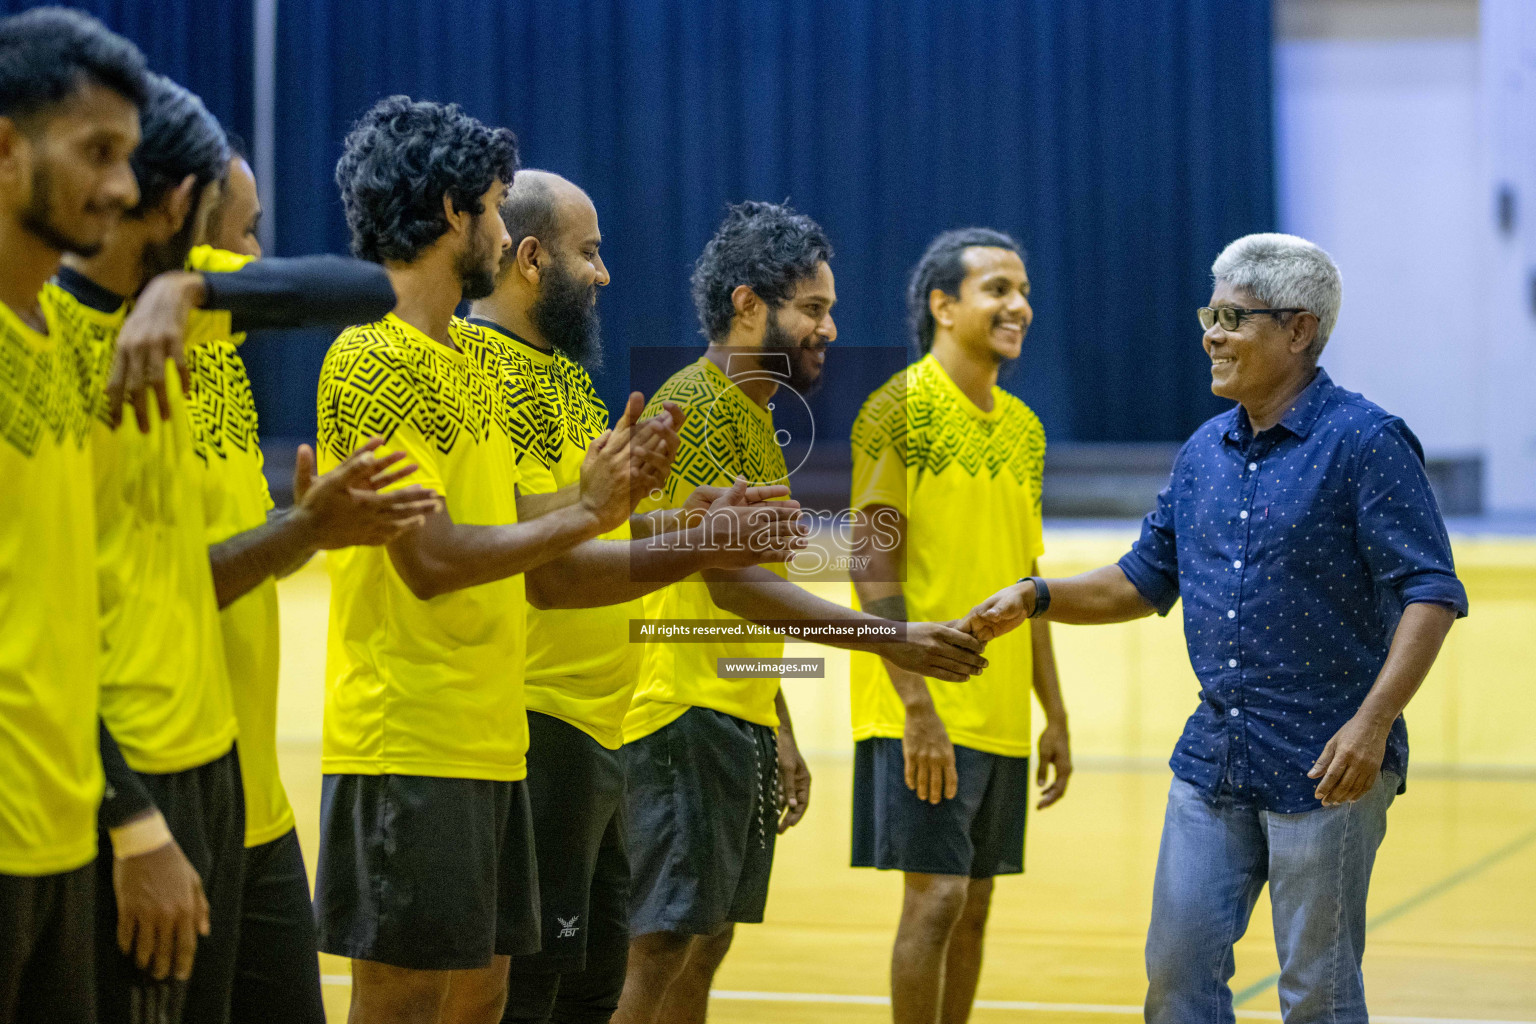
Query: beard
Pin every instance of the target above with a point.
(566, 316)
(477, 266)
(41, 219)
(803, 381)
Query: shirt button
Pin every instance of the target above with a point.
(1252, 466)
(1243, 514)
(1238, 564)
(1233, 712)
(1231, 614)
(1231, 663)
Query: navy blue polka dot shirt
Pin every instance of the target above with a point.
(1295, 552)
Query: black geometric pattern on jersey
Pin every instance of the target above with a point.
(375, 378)
(92, 337)
(223, 410)
(43, 392)
(918, 414)
(546, 405)
(724, 435)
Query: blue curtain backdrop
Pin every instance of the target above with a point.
(207, 47)
(1122, 141)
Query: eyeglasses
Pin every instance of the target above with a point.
(1231, 317)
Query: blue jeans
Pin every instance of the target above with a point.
(1213, 863)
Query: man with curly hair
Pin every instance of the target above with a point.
(581, 665)
(174, 812)
(714, 773)
(426, 874)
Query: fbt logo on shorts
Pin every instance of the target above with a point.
(567, 927)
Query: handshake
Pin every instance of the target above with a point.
(953, 650)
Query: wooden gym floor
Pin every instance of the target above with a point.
(1453, 904)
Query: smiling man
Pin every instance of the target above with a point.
(714, 773)
(950, 465)
(1300, 531)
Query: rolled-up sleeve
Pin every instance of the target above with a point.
(1400, 532)
(1152, 564)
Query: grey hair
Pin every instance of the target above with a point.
(1283, 271)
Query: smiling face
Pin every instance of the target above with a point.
(72, 169)
(1263, 357)
(803, 327)
(992, 313)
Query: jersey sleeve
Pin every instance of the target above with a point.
(879, 443)
(1036, 535)
(367, 389)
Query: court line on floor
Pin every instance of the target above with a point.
(836, 999)
(1417, 900)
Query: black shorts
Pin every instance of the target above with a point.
(978, 833)
(703, 816)
(205, 810)
(48, 947)
(277, 967)
(576, 791)
(426, 873)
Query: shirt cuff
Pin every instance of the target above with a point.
(1434, 588)
(1160, 592)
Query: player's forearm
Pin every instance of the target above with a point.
(300, 291)
(246, 560)
(656, 522)
(781, 707)
(602, 572)
(910, 687)
(125, 797)
(758, 595)
(531, 506)
(1420, 634)
(1047, 683)
(442, 556)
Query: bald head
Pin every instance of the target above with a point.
(546, 292)
(547, 207)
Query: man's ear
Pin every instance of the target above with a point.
(458, 220)
(1303, 331)
(174, 209)
(941, 307)
(14, 149)
(204, 213)
(530, 259)
(749, 307)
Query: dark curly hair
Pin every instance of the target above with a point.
(178, 137)
(49, 52)
(401, 158)
(766, 246)
(941, 268)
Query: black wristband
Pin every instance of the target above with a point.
(1042, 596)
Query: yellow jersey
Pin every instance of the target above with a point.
(725, 436)
(164, 682)
(236, 499)
(968, 482)
(419, 687)
(581, 666)
(50, 767)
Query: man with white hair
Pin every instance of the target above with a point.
(1301, 533)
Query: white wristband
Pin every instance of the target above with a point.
(140, 836)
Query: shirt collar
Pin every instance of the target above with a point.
(1298, 419)
(1303, 413)
(88, 292)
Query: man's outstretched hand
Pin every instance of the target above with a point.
(348, 506)
(1001, 613)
